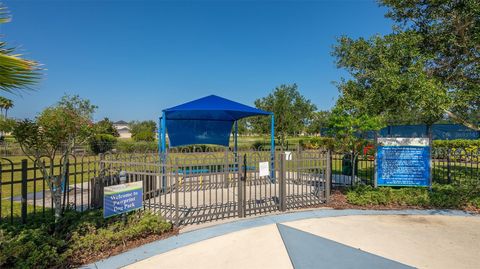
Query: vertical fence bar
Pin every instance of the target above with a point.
(449, 173)
(282, 194)
(177, 217)
(241, 187)
(24, 190)
(328, 175)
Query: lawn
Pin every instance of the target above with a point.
(81, 170)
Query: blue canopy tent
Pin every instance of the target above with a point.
(208, 120)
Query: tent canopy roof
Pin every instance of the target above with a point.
(207, 120)
(212, 107)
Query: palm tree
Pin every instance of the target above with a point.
(7, 105)
(15, 73)
(3, 100)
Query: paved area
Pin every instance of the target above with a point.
(319, 239)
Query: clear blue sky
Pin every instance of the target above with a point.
(135, 58)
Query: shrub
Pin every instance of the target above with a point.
(457, 143)
(127, 146)
(317, 142)
(441, 196)
(102, 143)
(77, 237)
(145, 135)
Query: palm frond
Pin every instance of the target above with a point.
(15, 72)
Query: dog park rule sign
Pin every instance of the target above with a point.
(122, 198)
(403, 162)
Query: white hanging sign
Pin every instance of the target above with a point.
(288, 155)
(264, 169)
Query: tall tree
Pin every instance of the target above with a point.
(7, 104)
(106, 126)
(15, 72)
(449, 31)
(319, 120)
(292, 112)
(390, 79)
(143, 130)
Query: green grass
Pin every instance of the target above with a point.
(78, 173)
(6, 211)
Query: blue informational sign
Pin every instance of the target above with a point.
(403, 162)
(122, 198)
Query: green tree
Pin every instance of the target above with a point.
(15, 72)
(390, 79)
(319, 120)
(349, 127)
(449, 31)
(106, 126)
(56, 130)
(291, 109)
(7, 105)
(244, 126)
(143, 130)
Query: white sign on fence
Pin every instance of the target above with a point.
(264, 169)
(288, 155)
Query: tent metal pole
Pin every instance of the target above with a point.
(164, 131)
(272, 148)
(235, 141)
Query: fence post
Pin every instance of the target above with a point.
(65, 190)
(283, 197)
(97, 184)
(328, 175)
(449, 172)
(24, 190)
(242, 177)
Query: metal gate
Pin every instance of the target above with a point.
(191, 188)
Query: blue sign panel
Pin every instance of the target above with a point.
(403, 163)
(122, 198)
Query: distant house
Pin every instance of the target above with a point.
(123, 129)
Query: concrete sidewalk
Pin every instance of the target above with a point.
(319, 239)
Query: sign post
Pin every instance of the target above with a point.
(403, 162)
(122, 198)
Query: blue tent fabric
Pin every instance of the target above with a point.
(207, 120)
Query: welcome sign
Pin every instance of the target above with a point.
(403, 162)
(122, 198)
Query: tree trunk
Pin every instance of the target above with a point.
(57, 197)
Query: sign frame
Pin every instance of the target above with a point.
(404, 142)
(131, 193)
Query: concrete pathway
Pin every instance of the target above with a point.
(319, 239)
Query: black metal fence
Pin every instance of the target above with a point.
(448, 166)
(25, 193)
(196, 186)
